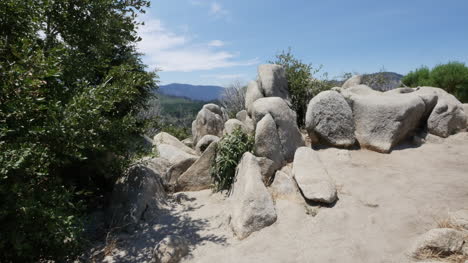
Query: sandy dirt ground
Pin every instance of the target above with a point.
(385, 202)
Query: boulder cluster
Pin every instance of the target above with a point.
(281, 166)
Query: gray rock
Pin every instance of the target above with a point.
(173, 154)
(233, 124)
(285, 121)
(252, 94)
(267, 141)
(460, 218)
(329, 117)
(210, 120)
(383, 120)
(272, 81)
(188, 142)
(136, 197)
(448, 116)
(312, 177)
(174, 172)
(285, 188)
(243, 116)
(267, 168)
(166, 138)
(158, 165)
(442, 240)
(171, 249)
(353, 81)
(252, 205)
(198, 176)
(204, 142)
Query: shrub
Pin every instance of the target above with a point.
(68, 105)
(452, 77)
(233, 98)
(302, 84)
(228, 154)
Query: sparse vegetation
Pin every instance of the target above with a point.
(302, 82)
(228, 154)
(233, 98)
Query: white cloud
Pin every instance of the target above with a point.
(218, 10)
(170, 51)
(216, 43)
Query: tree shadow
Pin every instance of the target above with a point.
(138, 246)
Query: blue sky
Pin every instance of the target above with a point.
(220, 41)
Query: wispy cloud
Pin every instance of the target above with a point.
(170, 51)
(216, 43)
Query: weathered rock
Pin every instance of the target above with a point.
(173, 154)
(252, 94)
(188, 142)
(353, 81)
(158, 165)
(448, 116)
(267, 168)
(267, 141)
(166, 138)
(252, 205)
(312, 177)
(171, 176)
(272, 81)
(285, 188)
(460, 218)
(330, 118)
(204, 142)
(285, 121)
(439, 240)
(243, 116)
(171, 249)
(136, 196)
(210, 120)
(383, 120)
(198, 176)
(233, 124)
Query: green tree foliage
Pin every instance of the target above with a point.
(452, 77)
(71, 83)
(228, 154)
(303, 85)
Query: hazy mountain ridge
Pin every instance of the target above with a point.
(193, 92)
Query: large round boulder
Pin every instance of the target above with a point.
(210, 120)
(166, 138)
(233, 124)
(252, 94)
(204, 142)
(285, 121)
(267, 141)
(330, 118)
(353, 81)
(273, 81)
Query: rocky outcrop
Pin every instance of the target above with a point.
(173, 154)
(272, 81)
(233, 124)
(210, 120)
(285, 188)
(198, 175)
(204, 142)
(252, 94)
(460, 218)
(174, 172)
(447, 116)
(166, 138)
(252, 205)
(285, 122)
(171, 249)
(330, 118)
(383, 120)
(312, 177)
(243, 116)
(445, 241)
(353, 81)
(267, 169)
(267, 141)
(136, 197)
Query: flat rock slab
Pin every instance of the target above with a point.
(312, 177)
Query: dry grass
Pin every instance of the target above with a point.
(447, 222)
(431, 254)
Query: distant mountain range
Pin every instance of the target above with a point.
(193, 92)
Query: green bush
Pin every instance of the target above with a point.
(452, 77)
(71, 84)
(302, 84)
(228, 154)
